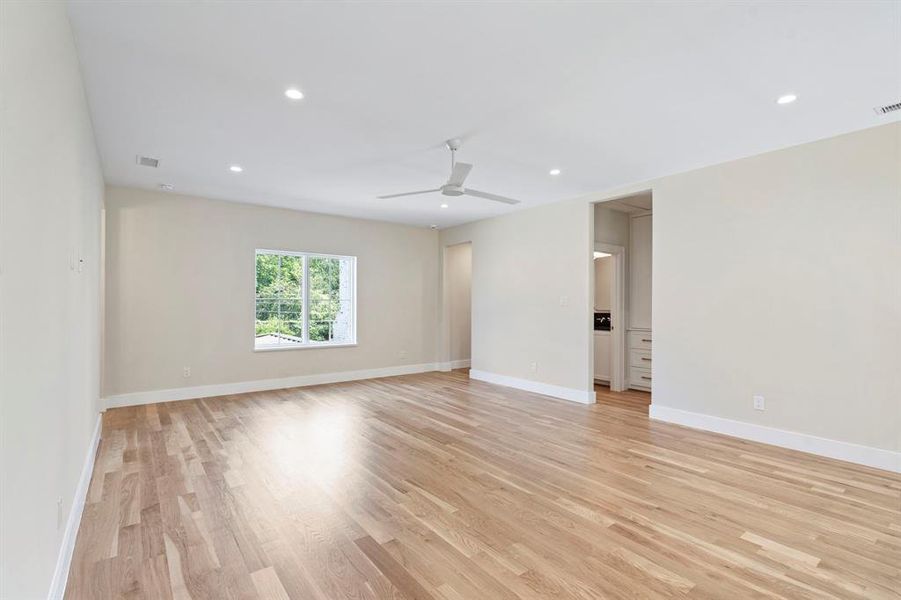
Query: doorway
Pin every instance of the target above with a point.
(622, 332)
(458, 264)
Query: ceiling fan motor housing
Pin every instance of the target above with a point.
(452, 190)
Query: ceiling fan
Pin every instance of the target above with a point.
(454, 185)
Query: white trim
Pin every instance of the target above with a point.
(64, 558)
(854, 453)
(464, 363)
(556, 391)
(275, 348)
(259, 385)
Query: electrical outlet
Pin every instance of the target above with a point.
(402, 354)
(759, 403)
(59, 513)
(187, 372)
(533, 366)
(564, 300)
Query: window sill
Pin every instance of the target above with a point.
(304, 347)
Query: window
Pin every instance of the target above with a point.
(304, 300)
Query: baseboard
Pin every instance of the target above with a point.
(260, 385)
(853, 453)
(556, 391)
(454, 364)
(64, 558)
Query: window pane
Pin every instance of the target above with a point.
(331, 318)
(267, 273)
(279, 300)
(290, 276)
(266, 309)
(280, 313)
(292, 332)
(290, 309)
(331, 321)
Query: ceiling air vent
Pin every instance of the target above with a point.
(146, 161)
(884, 110)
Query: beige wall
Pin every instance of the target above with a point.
(611, 226)
(780, 275)
(603, 282)
(531, 300)
(51, 194)
(180, 291)
(775, 275)
(459, 273)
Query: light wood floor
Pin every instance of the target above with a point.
(629, 399)
(432, 486)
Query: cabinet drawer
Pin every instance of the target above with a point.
(640, 377)
(640, 359)
(601, 356)
(640, 340)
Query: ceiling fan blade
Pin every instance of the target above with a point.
(408, 194)
(458, 175)
(487, 196)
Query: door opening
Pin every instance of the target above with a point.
(458, 262)
(622, 335)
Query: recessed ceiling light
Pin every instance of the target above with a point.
(786, 99)
(167, 187)
(236, 168)
(444, 205)
(294, 94)
(554, 171)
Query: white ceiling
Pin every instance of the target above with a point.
(610, 93)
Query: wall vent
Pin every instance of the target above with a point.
(146, 161)
(884, 110)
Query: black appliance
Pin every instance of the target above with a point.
(602, 320)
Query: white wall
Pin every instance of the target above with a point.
(640, 272)
(611, 226)
(458, 260)
(776, 274)
(531, 297)
(780, 275)
(51, 194)
(180, 291)
(603, 282)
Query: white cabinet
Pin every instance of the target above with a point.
(639, 346)
(602, 356)
(640, 340)
(640, 273)
(640, 365)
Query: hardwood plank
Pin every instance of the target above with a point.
(436, 487)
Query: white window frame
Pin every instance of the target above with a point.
(307, 344)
